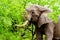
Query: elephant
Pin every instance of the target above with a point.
(43, 25)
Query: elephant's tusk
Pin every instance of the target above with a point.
(26, 23)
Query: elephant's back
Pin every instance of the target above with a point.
(57, 29)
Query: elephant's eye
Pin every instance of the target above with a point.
(32, 12)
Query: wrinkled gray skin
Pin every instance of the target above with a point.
(37, 15)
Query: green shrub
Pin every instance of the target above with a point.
(11, 12)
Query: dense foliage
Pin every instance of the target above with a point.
(11, 12)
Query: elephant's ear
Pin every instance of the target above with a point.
(44, 9)
(43, 20)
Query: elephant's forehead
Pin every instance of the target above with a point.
(31, 8)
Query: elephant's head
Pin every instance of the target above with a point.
(33, 12)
